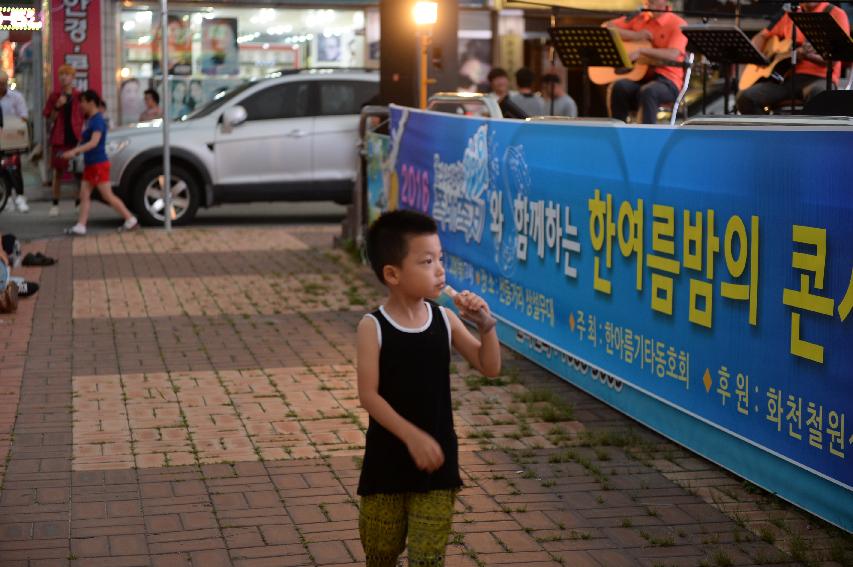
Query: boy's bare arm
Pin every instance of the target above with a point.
(483, 354)
(425, 451)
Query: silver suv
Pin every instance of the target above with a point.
(290, 136)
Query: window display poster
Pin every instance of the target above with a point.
(329, 49)
(180, 46)
(219, 51)
(475, 57)
(186, 96)
(131, 101)
(179, 95)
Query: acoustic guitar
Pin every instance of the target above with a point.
(778, 52)
(607, 75)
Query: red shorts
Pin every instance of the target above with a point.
(97, 173)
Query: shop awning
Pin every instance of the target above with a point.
(597, 5)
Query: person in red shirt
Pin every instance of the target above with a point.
(663, 29)
(809, 76)
(65, 117)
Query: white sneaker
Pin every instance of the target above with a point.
(21, 204)
(76, 230)
(54, 211)
(129, 224)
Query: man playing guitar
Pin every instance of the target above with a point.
(809, 76)
(663, 29)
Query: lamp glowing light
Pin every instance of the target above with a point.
(425, 13)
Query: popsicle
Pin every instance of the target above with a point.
(484, 321)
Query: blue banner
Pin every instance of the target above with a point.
(378, 190)
(709, 268)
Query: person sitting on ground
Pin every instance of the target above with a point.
(410, 474)
(8, 290)
(11, 248)
(809, 77)
(97, 171)
(10, 253)
(4, 258)
(526, 98)
(499, 85)
(152, 107)
(563, 104)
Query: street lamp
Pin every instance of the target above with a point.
(425, 15)
(166, 183)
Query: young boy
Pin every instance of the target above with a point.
(410, 473)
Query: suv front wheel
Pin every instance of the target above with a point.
(149, 197)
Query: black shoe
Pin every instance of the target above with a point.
(38, 259)
(26, 289)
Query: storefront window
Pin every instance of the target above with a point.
(212, 49)
(475, 50)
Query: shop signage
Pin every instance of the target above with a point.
(19, 19)
(76, 40)
(711, 301)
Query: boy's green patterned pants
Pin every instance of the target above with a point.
(386, 519)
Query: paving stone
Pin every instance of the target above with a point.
(200, 408)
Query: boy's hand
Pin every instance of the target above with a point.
(425, 451)
(469, 304)
(473, 307)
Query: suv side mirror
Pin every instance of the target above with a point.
(233, 117)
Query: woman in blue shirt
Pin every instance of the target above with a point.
(96, 172)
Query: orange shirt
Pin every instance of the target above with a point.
(666, 33)
(782, 30)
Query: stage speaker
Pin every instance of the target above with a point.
(399, 51)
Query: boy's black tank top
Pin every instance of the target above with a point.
(414, 378)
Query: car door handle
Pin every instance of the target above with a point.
(297, 133)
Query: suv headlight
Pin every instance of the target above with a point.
(115, 146)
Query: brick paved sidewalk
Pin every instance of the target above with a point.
(199, 408)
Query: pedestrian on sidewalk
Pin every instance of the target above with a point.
(96, 173)
(563, 104)
(65, 116)
(410, 474)
(526, 98)
(13, 105)
(499, 90)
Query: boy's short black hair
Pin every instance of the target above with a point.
(388, 237)
(495, 73)
(551, 78)
(155, 96)
(524, 78)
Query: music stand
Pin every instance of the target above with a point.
(826, 36)
(589, 46)
(725, 45)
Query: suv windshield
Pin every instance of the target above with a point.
(217, 102)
